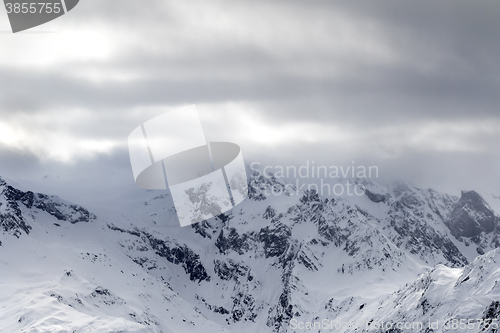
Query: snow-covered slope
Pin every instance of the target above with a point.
(444, 300)
(57, 275)
(271, 261)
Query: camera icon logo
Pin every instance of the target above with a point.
(205, 178)
(26, 14)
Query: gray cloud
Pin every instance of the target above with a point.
(360, 66)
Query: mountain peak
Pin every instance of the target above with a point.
(15, 202)
(472, 216)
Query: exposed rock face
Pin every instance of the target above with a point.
(376, 197)
(14, 201)
(472, 216)
(11, 218)
(180, 255)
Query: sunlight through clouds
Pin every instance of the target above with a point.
(282, 79)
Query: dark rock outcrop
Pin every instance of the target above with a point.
(471, 216)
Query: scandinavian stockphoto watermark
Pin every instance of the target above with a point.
(335, 180)
(328, 324)
(205, 178)
(26, 14)
(448, 325)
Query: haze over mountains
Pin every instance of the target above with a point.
(396, 254)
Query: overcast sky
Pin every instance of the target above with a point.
(410, 86)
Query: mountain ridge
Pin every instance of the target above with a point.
(268, 261)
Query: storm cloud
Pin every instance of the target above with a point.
(410, 86)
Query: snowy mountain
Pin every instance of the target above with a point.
(18, 208)
(396, 253)
(444, 300)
